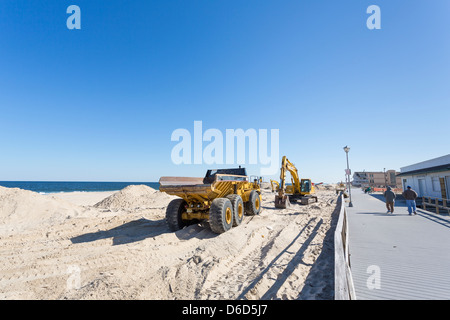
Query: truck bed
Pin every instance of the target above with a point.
(190, 188)
(186, 187)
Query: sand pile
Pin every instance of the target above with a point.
(134, 197)
(266, 185)
(326, 187)
(22, 210)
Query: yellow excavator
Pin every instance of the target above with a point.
(275, 185)
(300, 190)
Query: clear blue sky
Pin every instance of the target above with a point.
(101, 103)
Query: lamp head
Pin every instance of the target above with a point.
(346, 149)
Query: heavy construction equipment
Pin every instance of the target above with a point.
(300, 190)
(275, 185)
(341, 188)
(220, 199)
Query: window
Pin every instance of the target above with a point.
(436, 184)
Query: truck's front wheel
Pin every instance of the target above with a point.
(221, 215)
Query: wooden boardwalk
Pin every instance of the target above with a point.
(397, 256)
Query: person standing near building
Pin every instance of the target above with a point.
(410, 196)
(390, 199)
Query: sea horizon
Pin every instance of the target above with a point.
(45, 187)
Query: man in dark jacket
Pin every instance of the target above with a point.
(390, 199)
(410, 196)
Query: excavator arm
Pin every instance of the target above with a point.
(286, 165)
(281, 199)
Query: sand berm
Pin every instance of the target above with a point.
(116, 245)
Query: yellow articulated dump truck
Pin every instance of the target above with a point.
(221, 199)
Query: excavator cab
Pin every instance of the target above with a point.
(305, 186)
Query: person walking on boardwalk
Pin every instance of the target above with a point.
(390, 199)
(410, 196)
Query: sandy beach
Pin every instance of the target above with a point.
(116, 245)
(83, 198)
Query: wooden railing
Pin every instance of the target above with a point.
(436, 203)
(343, 281)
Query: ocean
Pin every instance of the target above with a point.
(71, 186)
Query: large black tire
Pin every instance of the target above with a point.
(253, 205)
(173, 214)
(238, 208)
(221, 215)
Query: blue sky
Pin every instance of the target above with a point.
(101, 103)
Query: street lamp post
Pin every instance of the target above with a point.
(347, 149)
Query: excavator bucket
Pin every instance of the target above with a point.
(282, 202)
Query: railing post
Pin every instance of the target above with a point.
(436, 201)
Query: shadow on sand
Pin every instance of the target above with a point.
(132, 231)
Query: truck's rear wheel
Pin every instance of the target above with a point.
(221, 215)
(253, 206)
(173, 214)
(238, 208)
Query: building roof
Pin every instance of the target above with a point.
(428, 164)
(445, 167)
